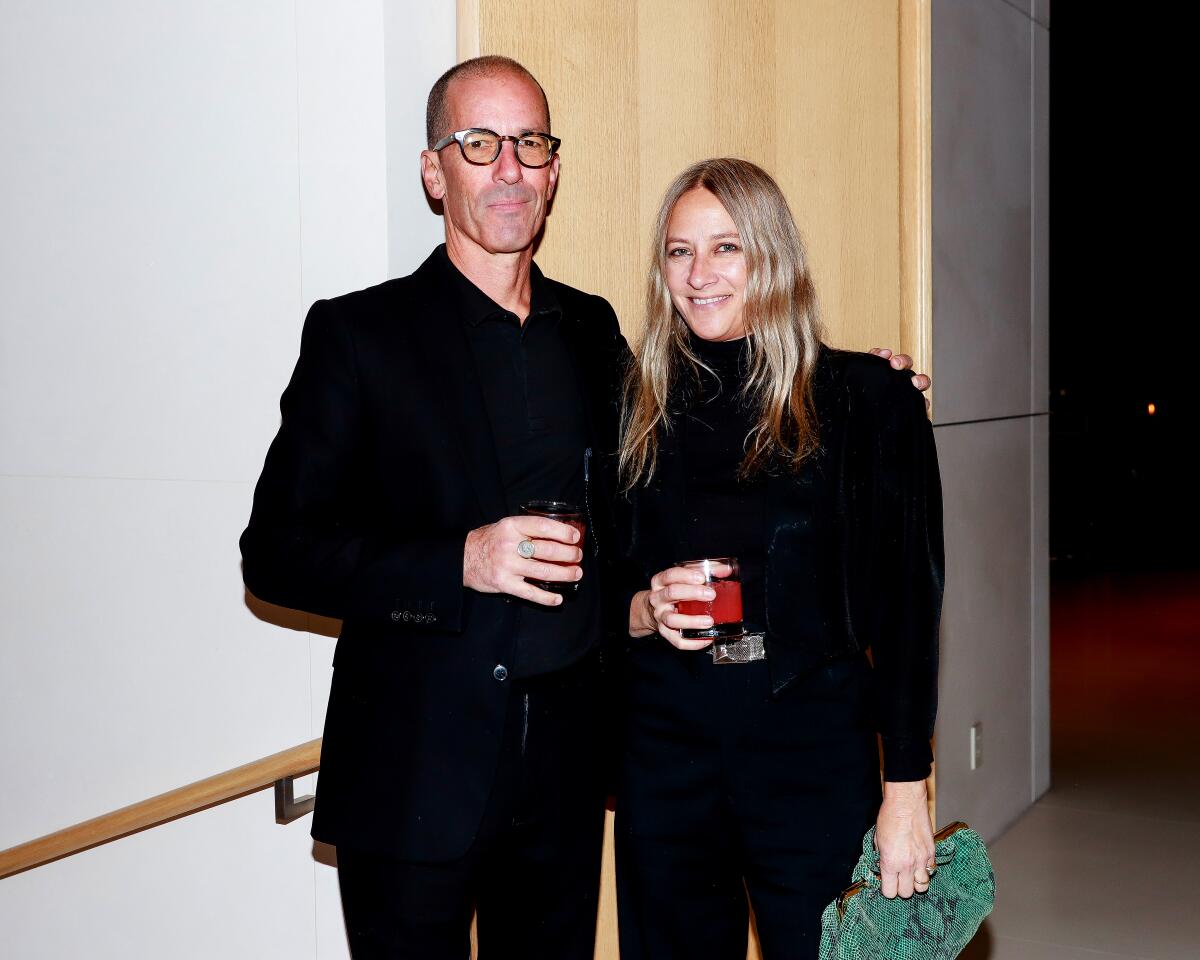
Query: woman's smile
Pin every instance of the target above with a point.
(705, 268)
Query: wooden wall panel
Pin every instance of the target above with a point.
(916, 184)
(812, 91)
(584, 55)
(838, 158)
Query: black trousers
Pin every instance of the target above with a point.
(533, 871)
(727, 794)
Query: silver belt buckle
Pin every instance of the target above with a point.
(742, 650)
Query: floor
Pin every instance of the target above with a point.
(1106, 866)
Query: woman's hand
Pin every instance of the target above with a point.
(653, 610)
(904, 838)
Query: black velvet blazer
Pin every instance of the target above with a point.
(383, 462)
(854, 547)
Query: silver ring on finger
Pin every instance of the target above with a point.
(526, 549)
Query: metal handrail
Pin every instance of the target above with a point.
(279, 770)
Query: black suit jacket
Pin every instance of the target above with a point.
(383, 462)
(854, 547)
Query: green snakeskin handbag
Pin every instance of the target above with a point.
(862, 924)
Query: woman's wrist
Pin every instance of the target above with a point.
(641, 615)
(905, 800)
(905, 789)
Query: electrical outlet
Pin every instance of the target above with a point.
(976, 746)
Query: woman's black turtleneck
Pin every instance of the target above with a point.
(722, 512)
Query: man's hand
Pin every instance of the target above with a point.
(902, 361)
(492, 562)
(904, 837)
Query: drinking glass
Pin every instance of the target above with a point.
(720, 573)
(564, 513)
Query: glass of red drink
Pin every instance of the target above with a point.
(563, 513)
(720, 573)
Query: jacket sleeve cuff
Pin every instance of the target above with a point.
(906, 759)
(417, 583)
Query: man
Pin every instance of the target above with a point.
(461, 766)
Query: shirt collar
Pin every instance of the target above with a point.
(475, 306)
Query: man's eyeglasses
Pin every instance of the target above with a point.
(482, 147)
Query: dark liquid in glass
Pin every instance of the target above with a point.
(564, 513)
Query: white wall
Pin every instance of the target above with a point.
(177, 183)
(990, 235)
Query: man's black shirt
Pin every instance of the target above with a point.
(539, 427)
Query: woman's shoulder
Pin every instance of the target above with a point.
(867, 378)
(861, 372)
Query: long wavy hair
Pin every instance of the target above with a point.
(779, 314)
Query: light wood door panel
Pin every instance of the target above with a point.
(826, 95)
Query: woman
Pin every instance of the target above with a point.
(745, 436)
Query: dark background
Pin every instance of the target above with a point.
(1123, 332)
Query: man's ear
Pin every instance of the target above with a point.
(431, 174)
(553, 178)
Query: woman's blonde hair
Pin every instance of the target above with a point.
(779, 314)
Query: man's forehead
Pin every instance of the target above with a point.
(496, 100)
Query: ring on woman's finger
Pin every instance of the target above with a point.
(526, 549)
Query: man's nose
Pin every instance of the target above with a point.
(507, 169)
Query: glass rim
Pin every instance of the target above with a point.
(552, 506)
(727, 560)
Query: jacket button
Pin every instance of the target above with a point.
(406, 616)
(432, 618)
(501, 672)
(396, 616)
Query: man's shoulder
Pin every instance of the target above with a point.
(370, 298)
(378, 306)
(383, 296)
